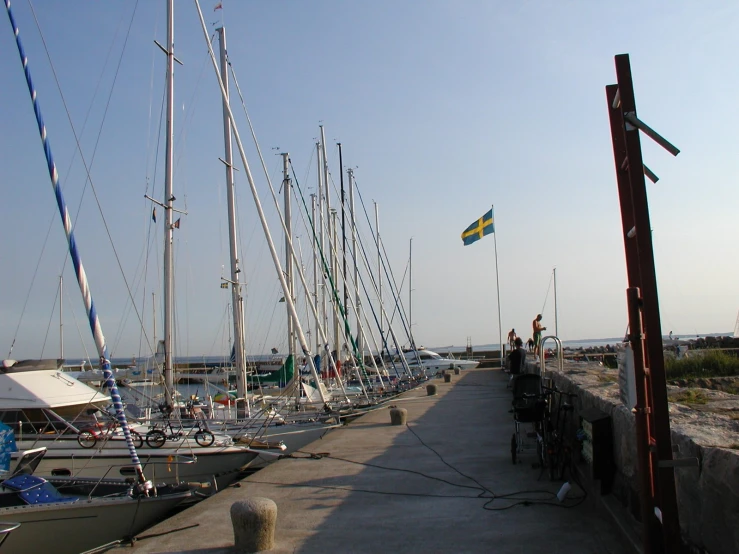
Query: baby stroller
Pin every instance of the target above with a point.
(529, 406)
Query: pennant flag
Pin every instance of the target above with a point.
(480, 228)
(219, 6)
(154, 215)
(176, 224)
(224, 285)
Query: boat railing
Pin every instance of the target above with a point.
(7, 527)
(542, 355)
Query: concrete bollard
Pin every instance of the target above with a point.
(430, 390)
(398, 416)
(456, 371)
(447, 377)
(254, 521)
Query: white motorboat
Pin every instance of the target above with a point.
(433, 362)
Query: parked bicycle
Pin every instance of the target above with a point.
(90, 434)
(163, 431)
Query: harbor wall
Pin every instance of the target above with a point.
(708, 493)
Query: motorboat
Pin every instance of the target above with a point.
(432, 362)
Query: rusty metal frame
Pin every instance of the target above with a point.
(654, 445)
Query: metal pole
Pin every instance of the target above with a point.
(168, 200)
(556, 325)
(410, 294)
(287, 185)
(334, 270)
(343, 228)
(61, 317)
(315, 273)
(357, 301)
(237, 305)
(497, 288)
(321, 235)
(379, 270)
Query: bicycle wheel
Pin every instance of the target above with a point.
(156, 438)
(204, 438)
(87, 439)
(138, 440)
(514, 448)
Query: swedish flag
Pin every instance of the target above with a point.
(480, 228)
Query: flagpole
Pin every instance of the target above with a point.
(497, 287)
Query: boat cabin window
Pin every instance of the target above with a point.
(61, 472)
(128, 471)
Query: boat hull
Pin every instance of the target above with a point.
(70, 528)
(215, 466)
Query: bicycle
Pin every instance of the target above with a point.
(559, 446)
(156, 437)
(91, 434)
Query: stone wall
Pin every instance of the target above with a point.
(708, 495)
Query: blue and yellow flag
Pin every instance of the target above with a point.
(480, 228)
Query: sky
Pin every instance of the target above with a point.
(443, 109)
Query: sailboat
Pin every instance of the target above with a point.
(48, 509)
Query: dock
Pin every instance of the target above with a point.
(445, 482)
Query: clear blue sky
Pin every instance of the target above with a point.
(444, 108)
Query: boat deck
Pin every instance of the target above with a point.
(424, 487)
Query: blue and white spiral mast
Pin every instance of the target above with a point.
(97, 331)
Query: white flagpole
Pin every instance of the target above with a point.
(497, 287)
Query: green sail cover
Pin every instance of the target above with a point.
(283, 375)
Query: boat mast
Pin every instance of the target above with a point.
(334, 270)
(343, 231)
(237, 301)
(353, 223)
(379, 272)
(321, 242)
(410, 294)
(262, 218)
(315, 273)
(61, 317)
(330, 224)
(168, 200)
(556, 325)
(287, 186)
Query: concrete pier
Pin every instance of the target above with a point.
(442, 483)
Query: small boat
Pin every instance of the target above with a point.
(432, 362)
(71, 515)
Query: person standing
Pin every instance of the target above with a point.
(517, 357)
(538, 328)
(512, 339)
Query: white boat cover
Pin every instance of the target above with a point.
(37, 384)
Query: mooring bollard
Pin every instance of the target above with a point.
(456, 371)
(398, 416)
(447, 377)
(430, 390)
(254, 521)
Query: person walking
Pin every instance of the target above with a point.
(538, 328)
(512, 339)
